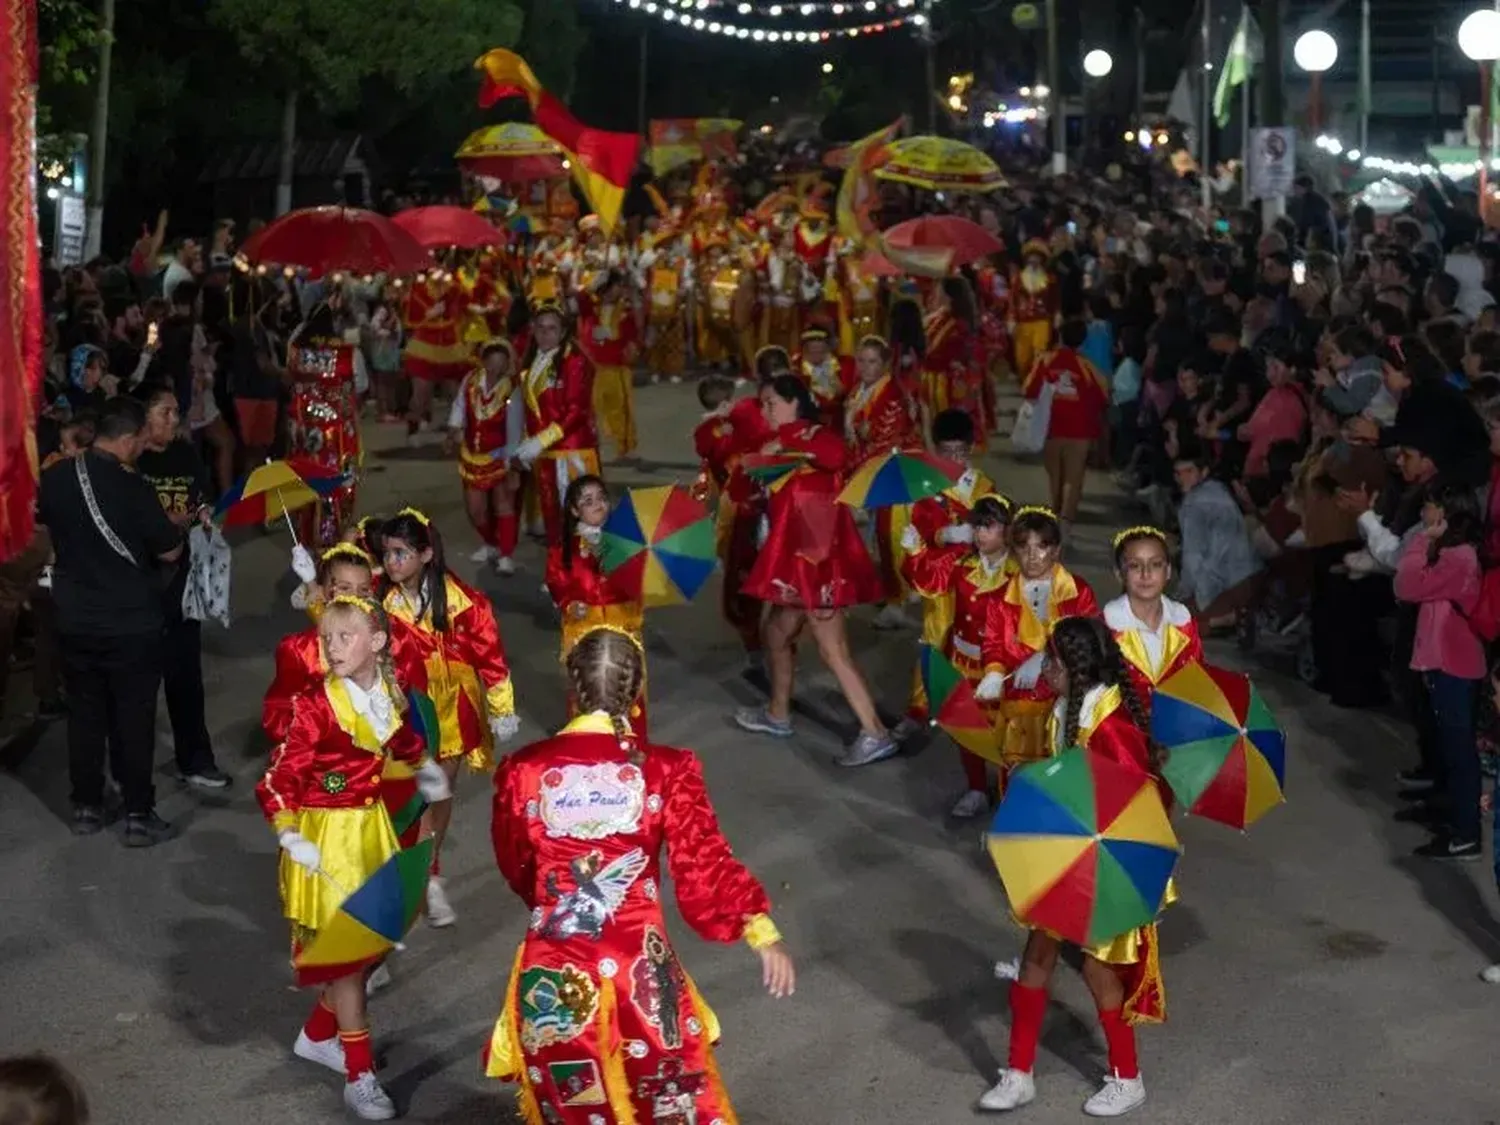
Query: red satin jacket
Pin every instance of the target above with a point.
(560, 401)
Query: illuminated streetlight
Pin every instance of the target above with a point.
(1479, 39)
(828, 68)
(1315, 52)
(1097, 63)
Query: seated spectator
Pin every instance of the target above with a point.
(1280, 415)
(1352, 383)
(1220, 574)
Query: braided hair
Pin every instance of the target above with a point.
(606, 668)
(1089, 653)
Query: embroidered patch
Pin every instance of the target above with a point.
(592, 802)
(598, 890)
(577, 1083)
(657, 986)
(557, 1005)
(673, 1092)
(334, 782)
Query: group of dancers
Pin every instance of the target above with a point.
(600, 1025)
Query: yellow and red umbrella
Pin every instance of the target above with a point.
(371, 921)
(274, 489)
(514, 151)
(940, 164)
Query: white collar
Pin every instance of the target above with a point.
(543, 358)
(993, 567)
(1120, 619)
(375, 705)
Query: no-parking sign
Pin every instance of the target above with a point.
(1273, 162)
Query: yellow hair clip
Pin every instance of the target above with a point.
(1036, 510)
(768, 348)
(1003, 501)
(1139, 531)
(875, 341)
(350, 551)
(355, 601)
(626, 633)
(420, 517)
(547, 305)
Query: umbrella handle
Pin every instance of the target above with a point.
(286, 515)
(332, 882)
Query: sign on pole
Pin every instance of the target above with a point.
(71, 229)
(1273, 162)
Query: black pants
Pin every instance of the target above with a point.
(182, 684)
(112, 684)
(1346, 616)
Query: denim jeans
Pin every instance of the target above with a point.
(1453, 704)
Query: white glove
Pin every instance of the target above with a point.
(1027, 675)
(505, 727)
(991, 687)
(956, 533)
(529, 450)
(300, 849)
(432, 782)
(304, 566)
(762, 531)
(911, 539)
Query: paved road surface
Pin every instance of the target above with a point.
(1315, 974)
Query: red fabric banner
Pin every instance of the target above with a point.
(20, 276)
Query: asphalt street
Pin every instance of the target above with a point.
(1315, 974)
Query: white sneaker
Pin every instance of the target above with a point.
(368, 1099)
(503, 566)
(1117, 1097)
(329, 1053)
(439, 912)
(1491, 975)
(891, 616)
(1015, 1089)
(483, 554)
(1008, 970)
(380, 978)
(974, 803)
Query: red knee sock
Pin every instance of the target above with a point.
(359, 1057)
(1027, 1007)
(506, 531)
(322, 1025)
(974, 771)
(1119, 1037)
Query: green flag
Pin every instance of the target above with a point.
(1239, 63)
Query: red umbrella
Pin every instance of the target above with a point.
(324, 239)
(968, 240)
(440, 226)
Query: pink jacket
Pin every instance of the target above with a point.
(1445, 640)
(1280, 416)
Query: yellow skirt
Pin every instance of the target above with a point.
(1023, 730)
(353, 843)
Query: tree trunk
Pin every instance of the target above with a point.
(287, 171)
(94, 237)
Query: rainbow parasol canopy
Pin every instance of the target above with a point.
(275, 489)
(1227, 754)
(900, 477)
(940, 164)
(951, 703)
(371, 920)
(1084, 847)
(658, 544)
(398, 781)
(770, 469)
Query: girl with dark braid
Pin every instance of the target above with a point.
(1098, 709)
(600, 1018)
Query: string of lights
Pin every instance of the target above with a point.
(1456, 171)
(804, 8)
(696, 15)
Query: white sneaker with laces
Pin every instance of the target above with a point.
(1008, 970)
(379, 979)
(440, 912)
(483, 554)
(1117, 1097)
(1015, 1089)
(504, 567)
(973, 803)
(328, 1053)
(368, 1099)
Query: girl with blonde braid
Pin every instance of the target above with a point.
(601, 1022)
(468, 679)
(1099, 710)
(318, 795)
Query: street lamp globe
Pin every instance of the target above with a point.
(1479, 35)
(1097, 63)
(1315, 51)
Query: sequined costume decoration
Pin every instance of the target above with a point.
(324, 416)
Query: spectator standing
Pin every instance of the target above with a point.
(173, 468)
(110, 535)
(186, 265)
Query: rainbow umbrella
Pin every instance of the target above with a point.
(1226, 756)
(371, 920)
(952, 706)
(658, 544)
(398, 781)
(900, 477)
(1083, 846)
(769, 469)
(276, 488)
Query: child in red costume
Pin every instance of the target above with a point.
(1157, 636)
(1098, 709)
(829, 376)
(332, 837)
(484, 427)
(600, 1021)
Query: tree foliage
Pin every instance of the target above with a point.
(68, 34)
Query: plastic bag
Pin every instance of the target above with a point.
(206, 595)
